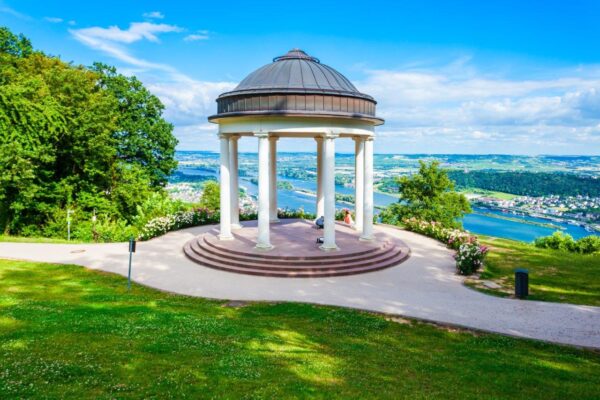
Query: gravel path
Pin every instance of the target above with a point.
(423, 287)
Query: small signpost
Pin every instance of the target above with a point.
(69, 212)
(131, 251)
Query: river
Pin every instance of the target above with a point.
(476, 223)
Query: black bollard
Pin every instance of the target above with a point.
(131, 251)
(521, 283)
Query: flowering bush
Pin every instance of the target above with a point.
(453, 238)
(181, 219)
(469, 258)
(470, 254)
(203, 216)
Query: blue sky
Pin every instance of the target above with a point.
(510, 77)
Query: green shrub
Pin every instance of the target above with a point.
(589, 244)
(469, 258)
(564, 242)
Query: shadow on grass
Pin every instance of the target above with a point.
(70, 332)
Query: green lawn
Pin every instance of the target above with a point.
(26, 239)
(68, 332)
(553, 275)
(489, 193)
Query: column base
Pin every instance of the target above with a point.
(329, 247)
(274, 220)
(366, 238)
(236, 226)
(264, 246)
(226, 237)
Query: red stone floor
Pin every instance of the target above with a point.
(296, 252)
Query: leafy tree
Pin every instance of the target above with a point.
(143, 136)
(18, 46)
(211, 196)
(428, 195)
(74, 138)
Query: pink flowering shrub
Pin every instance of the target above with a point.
(469, 258)
(470, 254)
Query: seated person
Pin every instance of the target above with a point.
(348, 217)
(320, 222)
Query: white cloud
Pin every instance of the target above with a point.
(188, 102)
(446, 108)
(14, 13)
(72, 22)
(54, 20)
(194, 37)
(111, 41)
(136, 32)
(154, 15)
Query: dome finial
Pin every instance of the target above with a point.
(296, 54)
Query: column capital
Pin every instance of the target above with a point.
(331, 135)
(273, 138)
(261, 134)
(369, 138)
(223, 136)
(234, 137)
(358, 138)
(318, 138)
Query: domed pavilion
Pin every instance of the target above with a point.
(295, 96)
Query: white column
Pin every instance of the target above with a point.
(264, 240)
(235, 189)
(367, 233)
(320, 200)
(273, 179)
(329, 192)
(225, 186)
(359, 169)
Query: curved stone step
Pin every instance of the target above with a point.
(297, 265)
(331, 255)
(305, 273)
(204, 247)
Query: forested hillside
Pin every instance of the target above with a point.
(85, 139)
(528, 183)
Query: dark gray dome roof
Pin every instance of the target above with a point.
(297, 85)
(297, 72)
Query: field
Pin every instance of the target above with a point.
(68, 332)
(553, 275)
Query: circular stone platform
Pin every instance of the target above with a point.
(296, 253)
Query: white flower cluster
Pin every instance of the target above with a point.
(182, 219)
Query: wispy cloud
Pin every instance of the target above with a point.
(188, 101)
(195, 37)
(459, 106)
(154, 15)
(54, 20)
(112, 41)
(11, 11)
(136, 32)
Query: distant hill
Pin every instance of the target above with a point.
(528, 183)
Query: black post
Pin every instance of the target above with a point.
(521, 283)
(131, 251)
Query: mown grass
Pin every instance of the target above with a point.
(68, 332)
(27, 239)
(553, 275)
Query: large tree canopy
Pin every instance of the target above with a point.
(73, 137)
(428, 195)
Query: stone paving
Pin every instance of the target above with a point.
(423, 287)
